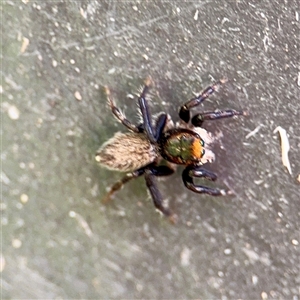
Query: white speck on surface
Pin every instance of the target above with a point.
(254, 279)
(78, 96)
(280, 215)
(16, 243)
(224, 20)
(263, 15)
(254, 132)
(220, 274)
(234, 29)
(266, 42)
(72, 214)
(196, 15)
(25, 43)
(295, 242)
(24, 198)
(258, 182)
(82, 222)
(83, 13)
(13, 112)
(4, 179)
(112, 71)
(251, 254)
(227, 251)
(185, 256)
(285, 147)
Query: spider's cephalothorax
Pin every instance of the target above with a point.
(140, 151)
(181, 146)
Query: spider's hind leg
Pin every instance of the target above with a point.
(119, 184)
(150, 172)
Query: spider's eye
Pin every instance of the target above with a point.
(202, 143)
(202, 152)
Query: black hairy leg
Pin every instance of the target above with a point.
(198, 119)
(199, 172)
(184, 112)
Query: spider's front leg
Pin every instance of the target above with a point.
(198, 119)
(196, 171)
(184, 112)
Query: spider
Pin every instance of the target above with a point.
(154, 148)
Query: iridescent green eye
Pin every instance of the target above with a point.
(202, 143)
(203, 152)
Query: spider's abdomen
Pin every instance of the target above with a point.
(182, 146)
(126, 152)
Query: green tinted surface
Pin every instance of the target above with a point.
(58, 240)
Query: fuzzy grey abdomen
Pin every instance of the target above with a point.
(126, 152)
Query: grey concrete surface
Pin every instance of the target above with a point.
(58, 240)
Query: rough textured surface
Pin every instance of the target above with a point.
(58, 240)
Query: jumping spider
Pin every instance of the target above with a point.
(141, 150)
